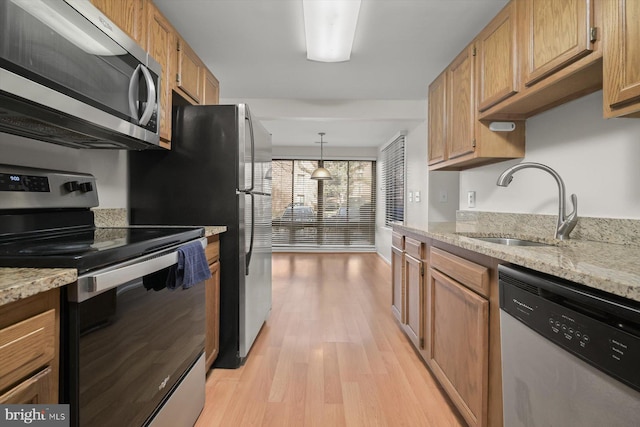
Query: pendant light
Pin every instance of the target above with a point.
(321, 173)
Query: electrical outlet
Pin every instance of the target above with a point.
(410, 196)
(417, 197)
(444, 196)
(471, 199)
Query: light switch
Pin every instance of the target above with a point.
(410, 196)
(444, 196)
(417, 197)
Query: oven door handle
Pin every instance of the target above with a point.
(115, 276)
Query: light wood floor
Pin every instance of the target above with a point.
(331, 354)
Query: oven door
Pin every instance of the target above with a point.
(131, 341)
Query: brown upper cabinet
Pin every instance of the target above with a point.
(129, 15)
(161, 46)
(437, 119)
(557, 57)
(621, 51)
(497, 59)
(211, 89)
(555, 34)
(190, 72)
(458, 140)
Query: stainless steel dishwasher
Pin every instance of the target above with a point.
(570, 354)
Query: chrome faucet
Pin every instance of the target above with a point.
(566, 223)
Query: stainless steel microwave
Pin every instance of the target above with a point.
(70, 76)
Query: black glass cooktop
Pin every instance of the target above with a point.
(91, 248)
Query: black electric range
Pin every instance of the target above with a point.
(46, 222)
(123, 311)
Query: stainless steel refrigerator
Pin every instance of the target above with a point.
(218, 172)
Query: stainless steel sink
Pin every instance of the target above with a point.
(511, 242)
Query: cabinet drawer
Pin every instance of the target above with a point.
(34, 391)
(397, 240)
(414, 248)
(473, 276)
(212, 251)
(25, 347)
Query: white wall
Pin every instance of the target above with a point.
(418, 214)
(108, 166)
(598, 159)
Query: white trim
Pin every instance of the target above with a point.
(396, 136)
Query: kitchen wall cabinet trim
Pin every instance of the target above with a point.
(497, 59)
(621, 51)
(472, 275)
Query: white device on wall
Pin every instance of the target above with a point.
(502, 126)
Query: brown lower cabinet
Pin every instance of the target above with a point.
(452, 318)
(212, 301)
(29, 349)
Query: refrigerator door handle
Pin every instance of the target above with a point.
(253, 153)
(253, 230)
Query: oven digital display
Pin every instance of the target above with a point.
(18, 182)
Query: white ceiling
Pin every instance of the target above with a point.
(256, 49)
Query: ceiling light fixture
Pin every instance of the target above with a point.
(321, 173)
(329, 27)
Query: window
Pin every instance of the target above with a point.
(393, 179)
(337, 213)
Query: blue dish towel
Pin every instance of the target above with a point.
(192, 267)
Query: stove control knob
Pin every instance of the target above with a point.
(71, 186)
(86, 187)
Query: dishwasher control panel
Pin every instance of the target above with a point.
(598, 337)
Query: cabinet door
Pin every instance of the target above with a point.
(414, 272)
(212, 300)
(160, 47)
(459, 321)
(129, 15)
(33, 391)
(437, 120)
(557, 33)
(211, 89)
(190, 75)
(461, 105)
(397, 282)
(496, 59)
(621, 56)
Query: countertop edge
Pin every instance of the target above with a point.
(554, 260)
(20, 283)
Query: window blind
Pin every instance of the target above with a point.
(336, 213)
(393, 177)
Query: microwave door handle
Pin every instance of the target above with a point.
(133, 92)
(151, 96)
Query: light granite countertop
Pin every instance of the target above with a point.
(19, 283)
(613, 268)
